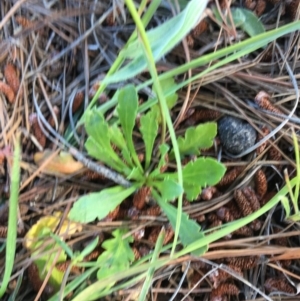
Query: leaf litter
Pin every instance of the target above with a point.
(57, 54)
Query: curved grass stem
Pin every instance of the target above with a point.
(165, 114)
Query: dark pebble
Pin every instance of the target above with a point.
(236, 135)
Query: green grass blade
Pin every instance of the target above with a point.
(150, 273)
(12, 217)
(296, 194)
(165, 114)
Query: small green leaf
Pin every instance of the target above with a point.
(136, 175)
(243, 18)
(149, 130)
(203, 172)
(98, 204)
(127, 111)
(200, 173)
(197, 138)
(117, 138)
(286, 205)
(98, 144)
(248, 21)
(88, 249)
(169, 189)
(189, 231)
(163, 150)
(103, 155)
(117, 256)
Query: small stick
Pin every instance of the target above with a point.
(106, 172)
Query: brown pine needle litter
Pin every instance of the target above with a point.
(54, 56)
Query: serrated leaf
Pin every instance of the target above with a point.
(203, 172)
(169, 189)
(96, 151)
(192, 191)
(162, 39)
(196, 138)
(189, 231)
(98, 204)
(127, 111)
(149, 130)
(117, 256)
(98, 144)
(200, 173)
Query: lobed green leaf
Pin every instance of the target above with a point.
(117, 256)
(196, 138)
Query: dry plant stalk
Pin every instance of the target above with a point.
(279, 285)
(262, 99)
(8, 92)
(141, 197)
(218, 294)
